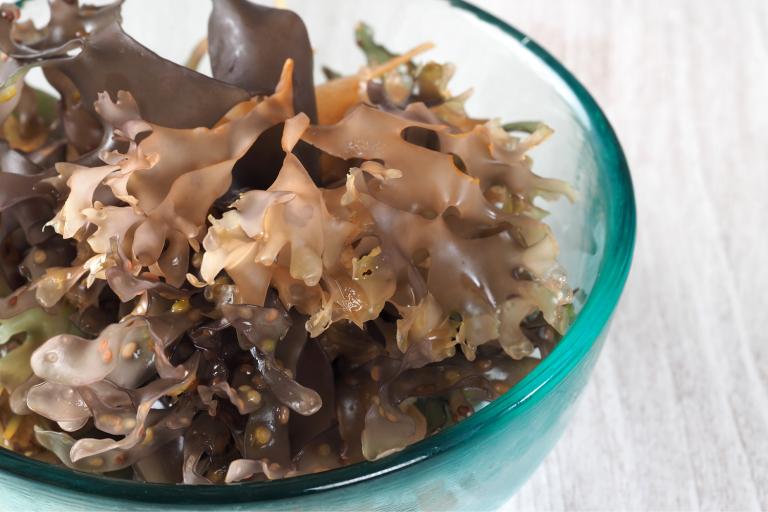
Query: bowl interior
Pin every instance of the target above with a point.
(513, 79)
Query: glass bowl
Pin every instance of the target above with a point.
(482, 461)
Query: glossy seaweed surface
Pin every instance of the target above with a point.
(480, 462)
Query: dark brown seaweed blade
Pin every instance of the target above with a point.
(28, 46)
(314, 371)
(110, 60)
(249, 44)
(23, 53)
(18, 177)
(169, 95)
(20, 201)
(69, 19)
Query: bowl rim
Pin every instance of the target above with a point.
(611, 278)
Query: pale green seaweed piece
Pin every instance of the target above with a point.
(32, 328)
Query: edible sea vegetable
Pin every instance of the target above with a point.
(522, 126)
(166, 199)
(249, 43)
(25, 207)
(109, 61)
(242, 291)
(375, 53)
(28, 46)
(337, 96)
(20, 336)
(29, 127)
(331, 74)
(410, 82)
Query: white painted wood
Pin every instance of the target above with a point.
(676, 415)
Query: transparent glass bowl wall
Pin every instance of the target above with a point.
(479, 463)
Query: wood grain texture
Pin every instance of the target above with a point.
(676, 415)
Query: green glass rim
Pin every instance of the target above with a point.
(593, 318)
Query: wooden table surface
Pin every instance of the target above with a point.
(676, 414)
